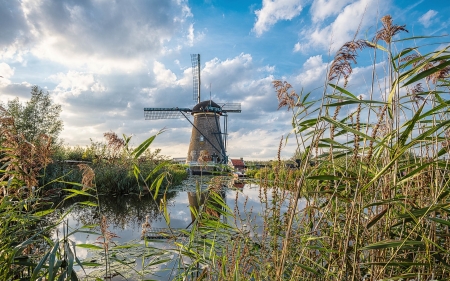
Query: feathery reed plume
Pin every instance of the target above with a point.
(115, 144)
(88, 176)
(105, 241)
(415, 91)
(278, 166)
(389, 30)
(440, 74)
(107, 235)
(286, 96)
(146, 226)
(375, 131)
(341, 65)
(332, 129)
(357, 127)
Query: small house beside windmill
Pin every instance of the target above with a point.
(207, 146)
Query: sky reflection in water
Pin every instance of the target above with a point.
(126, 214)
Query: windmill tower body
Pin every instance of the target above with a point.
(206, 144)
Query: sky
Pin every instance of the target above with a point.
(103, 61)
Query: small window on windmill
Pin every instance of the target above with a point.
(202, 139)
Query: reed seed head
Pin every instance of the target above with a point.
(389, 30)
(341, 65)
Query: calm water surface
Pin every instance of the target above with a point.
(126, 214)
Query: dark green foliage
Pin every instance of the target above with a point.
(38, 116)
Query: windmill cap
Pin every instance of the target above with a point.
(207, 106)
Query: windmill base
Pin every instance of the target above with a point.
(211, 169)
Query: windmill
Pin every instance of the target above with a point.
(208, 141)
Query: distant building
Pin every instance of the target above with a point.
(237, 164)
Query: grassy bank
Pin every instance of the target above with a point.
(113, 165)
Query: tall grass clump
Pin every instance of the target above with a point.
(27, 250)
(372, 199)
(113, 165)
(377, 198)
(36, 240)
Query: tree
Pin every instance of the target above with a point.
(38, 116)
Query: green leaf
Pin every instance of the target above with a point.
(348, 129)
(403, 52)
(39, 266)
(441, 221)
(156, 170)
(89, 203)
(307, 268)
(90, 246)
(78, 192)
(427, 72)
(87, 263)
(328, 178)
(405, 134)
(392, 244)
(127, 246)
(354, 102)
(51, 261)
(419, 37)
(43, 213)
(376, 218)
(143, 146)
(157, 184)
(344, 91)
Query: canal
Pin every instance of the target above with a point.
(125, 216)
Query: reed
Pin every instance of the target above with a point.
(372, 199)
(377, 203)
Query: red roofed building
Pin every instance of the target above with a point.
(237, 164)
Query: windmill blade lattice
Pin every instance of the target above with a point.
(165, 113)
(231, 107)
(195, 59)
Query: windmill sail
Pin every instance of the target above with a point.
(231, 107)
(155, 113)
(195, 59)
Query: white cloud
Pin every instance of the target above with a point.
(6, 71)
(313, 72)
(344, 27)
(76, 82)
(96, 35)
(242, 144)
(273, 11)
(164, 77)
(322, 9)
(299, 48)
(427, 18)
(190, 35)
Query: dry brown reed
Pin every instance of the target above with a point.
(345, 56)
(26, 159)
(285, 94)
(389, 30)
(88, 176)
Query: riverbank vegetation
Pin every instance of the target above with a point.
(112, 164)
(371, 201)
(375, 201)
